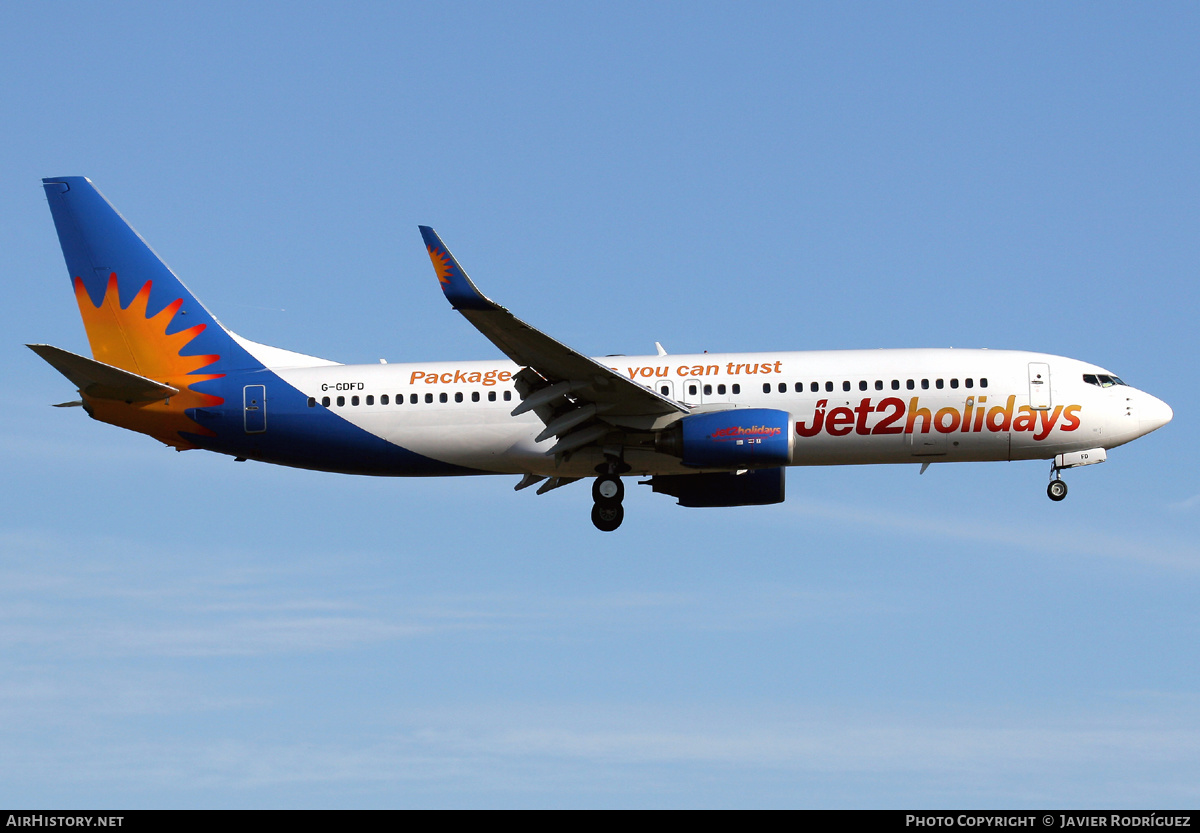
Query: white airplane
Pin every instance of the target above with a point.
(709, 429)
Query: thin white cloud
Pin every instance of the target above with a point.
(1110, 756)
(1186, 505)
(1106, 543)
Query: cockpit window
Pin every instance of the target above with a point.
(1102, 381)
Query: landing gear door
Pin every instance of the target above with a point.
(1039, 386)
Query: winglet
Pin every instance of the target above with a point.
(460, 292)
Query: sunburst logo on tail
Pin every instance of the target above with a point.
(442, 265)
(131, 339)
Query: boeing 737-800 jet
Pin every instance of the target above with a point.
(709, 429)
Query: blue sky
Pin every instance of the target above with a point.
(177, 630)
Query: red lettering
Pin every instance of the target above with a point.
(818, 420)
(939, 424)
(1070, 420)
(1026, 419)
(1048, 420)
(884, 426)
(863, 411)
(839, 421)
(999, 419)
(914, 413)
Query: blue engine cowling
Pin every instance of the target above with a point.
(756, 487)
(736, 438)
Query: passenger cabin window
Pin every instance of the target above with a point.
(829, 387)
(983, 383)
(878, 384)
(954, 383)
(443, 397)
(737, 388)
(970, 382)
(312, 401)
(383, 400)
(474, 396)
(895, 384)
(845, 386)
(720, 390)
(325, 401)
(940, 383)
(924, 384)
(862, 385)
(664, 390)
(412, 399)
(458, 397)
(766, 387)
(341, 400)
(507, 395)
(370, 400)
(815, 387)
(428, 398)
(491, 396)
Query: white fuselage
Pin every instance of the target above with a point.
(849, 407)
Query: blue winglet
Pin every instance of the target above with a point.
(460, 292)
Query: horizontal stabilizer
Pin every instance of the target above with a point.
(100, 380)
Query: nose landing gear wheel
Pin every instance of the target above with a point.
(607, 516)
(1057, 490)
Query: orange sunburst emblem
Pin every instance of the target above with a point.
(132, 340)
(441, 264)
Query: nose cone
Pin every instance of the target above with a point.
(1154, 414)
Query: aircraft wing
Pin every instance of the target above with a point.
(565, 388)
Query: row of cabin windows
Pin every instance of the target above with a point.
(909, 384)
(413, 399)
(814, 387)
(693, 388)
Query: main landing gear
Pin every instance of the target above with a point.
(607, 492)
(1057, 490)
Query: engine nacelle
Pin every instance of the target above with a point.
(736, 438)
(756, 487)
